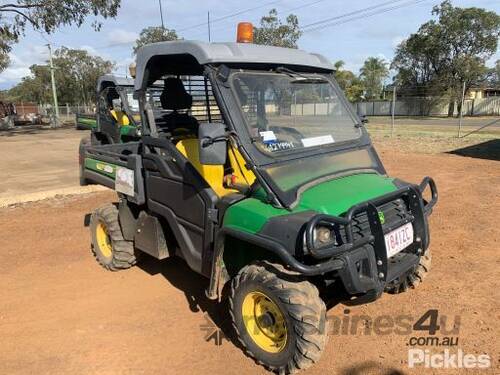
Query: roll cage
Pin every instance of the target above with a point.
(154, 63)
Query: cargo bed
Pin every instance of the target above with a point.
(116, 166)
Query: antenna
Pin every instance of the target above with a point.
(161, 15)
(208, 24)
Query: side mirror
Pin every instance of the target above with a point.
(213, 143)
(117, 104)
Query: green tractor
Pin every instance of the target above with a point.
(255, 170)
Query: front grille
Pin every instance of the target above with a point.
(395, 214)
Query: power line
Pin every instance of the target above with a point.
(355, 12)
(229, 16)
(256, 21)
(305, 5)
(354, 17)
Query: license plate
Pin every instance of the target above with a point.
(398, 239)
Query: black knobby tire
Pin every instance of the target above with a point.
(414, 278)
(84, 143)
(122, 255)
(303, 309)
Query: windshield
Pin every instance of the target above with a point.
(133, 104)
(287, 112)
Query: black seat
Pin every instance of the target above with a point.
(175, 98)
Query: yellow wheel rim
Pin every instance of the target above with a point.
(264, 322)
(103, 240)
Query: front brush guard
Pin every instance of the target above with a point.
(341, 258)
(417, 205)
(354, 253)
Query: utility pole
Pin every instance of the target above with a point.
(161, 15)
(55, 122)
(208, 24)
(393, 109)
(461, 111)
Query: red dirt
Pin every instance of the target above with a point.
(63, 314)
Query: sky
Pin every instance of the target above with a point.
(352, 40)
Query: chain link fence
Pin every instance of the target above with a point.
(415, 106)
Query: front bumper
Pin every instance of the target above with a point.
(360, 262)
(367, 269)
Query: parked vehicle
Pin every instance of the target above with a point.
(117, 118)
(7, 115)
(85, 121)
(280, 209)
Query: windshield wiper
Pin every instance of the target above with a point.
(290, 72)
(300, 77)
(309, 80)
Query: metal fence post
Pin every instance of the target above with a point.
(461, 111)
(393, 110)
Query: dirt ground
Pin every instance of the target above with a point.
(38, 160)
(63, 314)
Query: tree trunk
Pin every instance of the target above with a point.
(451, 108)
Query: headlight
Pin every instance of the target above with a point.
(323, 236)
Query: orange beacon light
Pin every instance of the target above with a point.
(245, 33)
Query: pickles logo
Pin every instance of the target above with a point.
(381, 217)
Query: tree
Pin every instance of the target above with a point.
(449, 51)
(154, 34)
(493, 76)
(373, 74)
(35, 88)
(348, 82)
(273, 32)
(47, 16)
(76, 76)
(6, 39)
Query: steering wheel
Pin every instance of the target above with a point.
(286, 130)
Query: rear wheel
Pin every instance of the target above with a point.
(413, 278)
(279, 319)
(84, 143)
(109, 247)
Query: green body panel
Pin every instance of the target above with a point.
(332, 197)
(127, 129)
(106, 169)
(87, 122)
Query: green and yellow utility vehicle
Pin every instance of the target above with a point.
(117, 119)
(253, 167)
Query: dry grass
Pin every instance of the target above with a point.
(430, 139)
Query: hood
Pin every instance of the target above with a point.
(332, 197)
(336, 196)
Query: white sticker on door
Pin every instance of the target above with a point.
(124, 181)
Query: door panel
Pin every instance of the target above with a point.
(176, 191)
(179, 197)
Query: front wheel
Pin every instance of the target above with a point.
(414, 278)
(279, 319)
